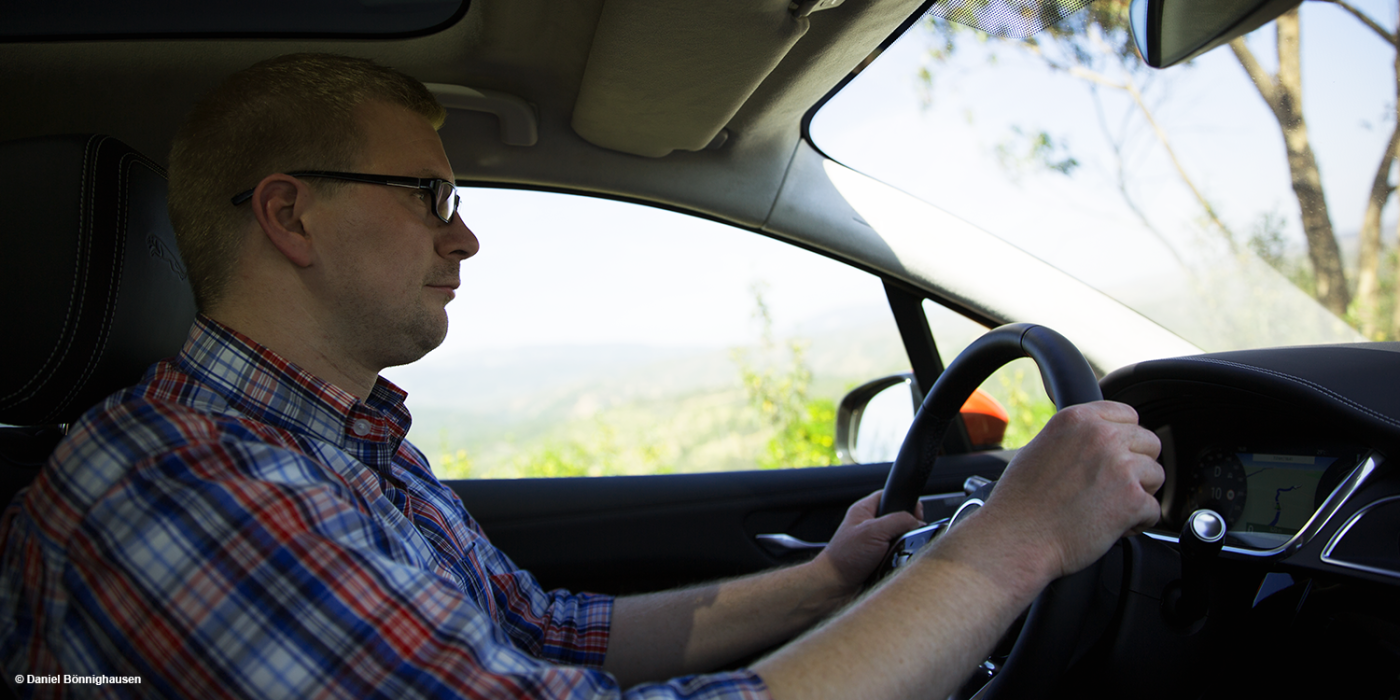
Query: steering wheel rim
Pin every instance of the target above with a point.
(1069, 381)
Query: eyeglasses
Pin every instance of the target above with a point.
(445, 197)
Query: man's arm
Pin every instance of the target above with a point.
(660, 635)
(1087, 479)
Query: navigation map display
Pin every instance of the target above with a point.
(1282, 491)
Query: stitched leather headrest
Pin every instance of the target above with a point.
(92, 284)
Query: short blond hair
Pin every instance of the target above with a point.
(294, 112)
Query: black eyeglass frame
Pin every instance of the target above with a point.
(433, 186)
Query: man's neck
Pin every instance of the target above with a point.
(303, 342)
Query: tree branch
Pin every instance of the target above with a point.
(1260, 77)
(1129, 87)
(1095, 77)
(1366, 20)
(1161, 133)
(1116, 144)
(1368, 257)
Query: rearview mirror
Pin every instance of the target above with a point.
(1168, 32)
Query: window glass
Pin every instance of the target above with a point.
(1017, 387)
(592, 337)
(1171, 191)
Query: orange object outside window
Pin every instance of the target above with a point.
(985, 419)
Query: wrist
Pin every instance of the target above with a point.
(1004, 553)
(827, 590)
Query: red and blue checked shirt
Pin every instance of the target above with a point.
(235, 527)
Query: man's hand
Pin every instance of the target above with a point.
(1067, 496)
(1086, 480)
(660, 635)
(862, 541)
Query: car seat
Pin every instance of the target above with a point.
(93, 287)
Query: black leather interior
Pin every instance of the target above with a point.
(1352, 386)
(93, 285)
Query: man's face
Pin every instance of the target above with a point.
(388, 264)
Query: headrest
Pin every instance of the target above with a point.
(93, 287)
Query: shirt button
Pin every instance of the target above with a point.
(361, 427)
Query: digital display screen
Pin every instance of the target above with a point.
(1282, 491)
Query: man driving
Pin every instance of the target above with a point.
(248, 520)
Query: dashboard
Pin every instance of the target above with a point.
(1292, 448)
(1288, 445)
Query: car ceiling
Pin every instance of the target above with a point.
(637, 76)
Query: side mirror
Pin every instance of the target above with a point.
(1168, 32)
(874, 418)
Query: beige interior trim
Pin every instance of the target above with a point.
(660, 78)
(519, 125)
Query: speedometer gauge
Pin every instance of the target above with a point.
(1219, 484)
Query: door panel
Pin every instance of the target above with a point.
(630, 534)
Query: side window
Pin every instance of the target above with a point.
(1017, 386)
(592, 337)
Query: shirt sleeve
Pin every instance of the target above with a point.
(243, 570)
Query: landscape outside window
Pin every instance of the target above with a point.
(652, 342)
(1170, 190)
(644, 341)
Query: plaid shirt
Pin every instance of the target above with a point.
(235, 527)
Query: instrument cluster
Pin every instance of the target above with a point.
(1266, 473)
(1266, 493)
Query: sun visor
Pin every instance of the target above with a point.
(660, 77)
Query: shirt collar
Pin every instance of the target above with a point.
(270, 389)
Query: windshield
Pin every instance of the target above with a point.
(1191, 195)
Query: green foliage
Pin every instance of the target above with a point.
(1389, 295)
(778, 388)
(1267, 241)
(451, 464)
(805, 442)
(600, 453)
(1096, 38)
(769, 418)
(1383, 316)
(1028, 414)
(1023, 152)
(554, 460)
(454, 465)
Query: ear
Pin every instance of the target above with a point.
(279, 204)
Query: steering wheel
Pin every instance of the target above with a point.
(1043, 650)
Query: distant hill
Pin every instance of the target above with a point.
(494, 403)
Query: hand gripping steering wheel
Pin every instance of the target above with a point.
(1055, 617)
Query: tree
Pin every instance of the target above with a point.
(804, 429)
(1283, 92)
(1368, 287)
(1095, 45)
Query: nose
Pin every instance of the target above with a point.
(456, 241)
